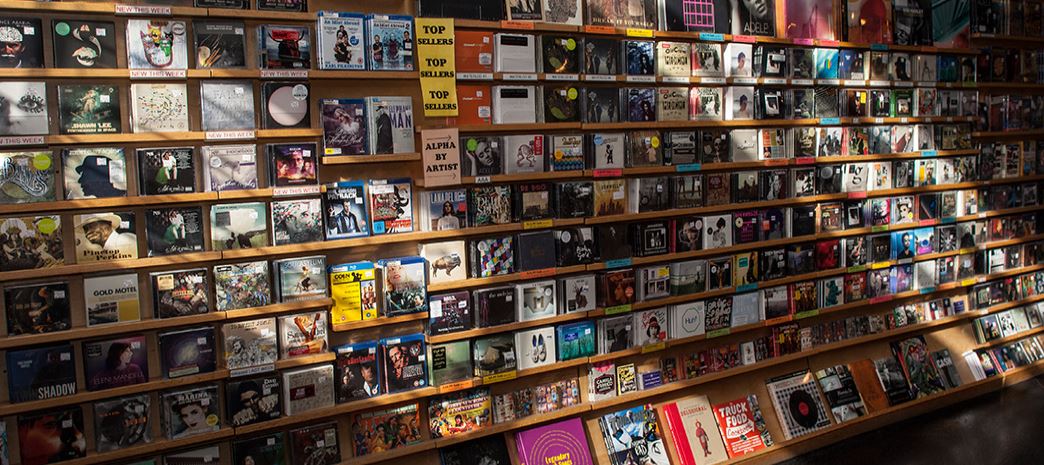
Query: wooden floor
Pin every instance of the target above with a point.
(1005, 427)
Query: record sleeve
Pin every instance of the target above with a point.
(482, 156)
(26, 38)
(315, 445)
(122, 422)
(188, 352)
(626, 13)
(166, 170)
(89, 109)
(292, 165)
(220, 44)
(27, 177)
(301, 278)
(83, 44)
(297, 221)
(229, 167)
(41, 373)
(115, 362)
(284, 47)
(62, 427)
(285, 105)
(560, 54)
(37, 308)
(601, 105)
(303, 334)
(172, 231)
(191, 412)
(494, 354)
(105, 237)
(261, 450)
(249, 346)
(227, 105)
(367, 428)
(29, 113)
(238, 226)
(156, 44)
(798, 404)
(44, 231)
(242, 285)
(460, 412)
(755, 18)
(446, 261)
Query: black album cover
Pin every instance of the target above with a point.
(173, 231)
(187, 352)
(494, 306)
(166, 170)
(613, 241)
(285, 105)
(61, 432)
(220, 44)
(122, 422)
(253, 400)
(575, 246)
(574, 199)
(535, 251)
(39, 373)
(600, 104)
(561, 54)
(561, 103)
(180, 293)
(22, 40)
(84, 44)
(89, 109)
(403, 363)
(601, 56)
(652, 238)
(37, 308)
(489, 450)
(269, 449)
(755, 18)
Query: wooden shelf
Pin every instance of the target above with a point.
(363, 159)
(1004, 38)
(1010, 339)
(522, 27)
(89, 332)
(506, 278)
(1008, 134)
(91, 396)
(389, 455)
(381, 321)
(110, 202)
(77, 7)
(519, 177)
(315, 74)
(88, 73)
(304, 360)
(320, 414)
(274, 309)
(132, 264)
(261, 15)
(510, 327)
(152, 448)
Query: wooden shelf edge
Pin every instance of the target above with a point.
(274, 309)
(364, 159)
(380, 321)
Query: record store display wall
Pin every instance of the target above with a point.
(686, 232)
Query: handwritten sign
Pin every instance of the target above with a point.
(441, 155)
(437, 66)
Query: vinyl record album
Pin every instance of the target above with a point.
(803, 409)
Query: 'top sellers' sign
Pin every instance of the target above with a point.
(437, 66)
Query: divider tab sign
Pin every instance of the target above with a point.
(437, 65)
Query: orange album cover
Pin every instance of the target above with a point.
(474, 51)
(475, 103)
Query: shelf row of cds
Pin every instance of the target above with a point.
(357, 371)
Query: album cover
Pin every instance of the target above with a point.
(83, 44)
(284, 47)
(917, 366)
(238, 226)
(166, 171)
(37, 308)
(798, 404)
(640, 103)
(627, 13)
(172, 231)
(29, 113)
(285, 105)
(755, 19)
(60, 429)
(342, 41)
(315, 445)
(296, 221)
(187, 352)
(40, 373)
(739, 103)
(368, 427)
(26, 37)
(610, 197)
(672, 104)
(490, 205)
(308, 388)
(563, 12)
(460, 412)
(89, 109)
(229, 167)
(122, 422)
(268, 449)
(191, 412)
(156, 44)
(390, 121)
(226, 105)
(489, 450)
(560, 54)
(390, 41)
(841, 393)
(242, 285)
(105, 237)
(718, 313)
(301, 278)
(740, 58)
(302, 334)
(27, 177)
(251, 345)
(826, 63)
(115, 362)
(219, 44)
(391, 205)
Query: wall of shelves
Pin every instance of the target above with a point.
(954, 332)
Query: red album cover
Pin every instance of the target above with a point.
(828, 254)
(474, 104)
(855, 287)
(473, 51)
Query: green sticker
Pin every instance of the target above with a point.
(573, 93)
(46, 225)
(62, 28)
(472, 145)
(570, 44)
(42, 161)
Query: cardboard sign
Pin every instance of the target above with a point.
(441, 154)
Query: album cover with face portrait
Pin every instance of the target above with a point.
(344, 126)
(172, 231)
(601, 56)
(23, 43)
(83, 44)
(220, 44)
(114, 363)
(191, 412)
(25, 109)
(341, 40)
(94, 173)
(293, 164)
(105, 236)
(52, 436)
(481, 156)
(89, 109)
(403, 363)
